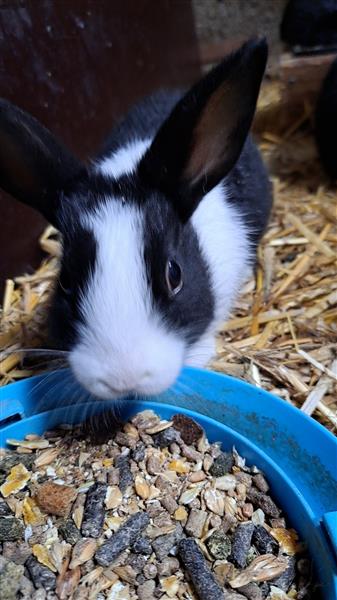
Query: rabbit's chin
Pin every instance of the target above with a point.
(108, 377)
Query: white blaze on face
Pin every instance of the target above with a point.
(123, 344)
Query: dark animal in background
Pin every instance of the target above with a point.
(310, 23)
(158, 232)
(326, 122)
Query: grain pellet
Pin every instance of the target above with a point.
(41, 576)
(264, 542)
(285, 580)
(125, 475)
(142, 546)
(202, 578)
(122, 539)
(241, 544)
(94, 511)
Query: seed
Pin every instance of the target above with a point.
(43, 556)
(113, 497)
(38, 444)
(161, 426)
(191, 454)
(59, 552)
(226, 483)
(287, 538)
(262, 568)
(230, 506)
(78, 516)
(150, 571)
(180, 514)
(190, 494)
(215, 501)
(142, 488)
(196, 522)
(170, 585)
(131, 430)
(67, 583)
(258, 517)
(179, 466)
(46, 457)
(247, 510)
(83, 551)
(197, 476)
(153, 465)
(145, 419)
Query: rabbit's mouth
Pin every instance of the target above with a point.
(143, 370)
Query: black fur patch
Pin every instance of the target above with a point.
(78, 262)
(192, 309)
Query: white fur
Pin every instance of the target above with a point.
(125, 160)
(125, 347)
(224, 243)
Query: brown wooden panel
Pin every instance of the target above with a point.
(77, 65)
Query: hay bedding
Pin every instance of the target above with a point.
(282, 333)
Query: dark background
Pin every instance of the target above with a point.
(77, 65)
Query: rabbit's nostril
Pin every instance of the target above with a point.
(145, 377)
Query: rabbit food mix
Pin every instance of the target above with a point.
(153, 510)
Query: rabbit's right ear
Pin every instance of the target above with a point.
(201, 140)
(35, 168)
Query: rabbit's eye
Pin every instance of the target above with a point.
(174, 278)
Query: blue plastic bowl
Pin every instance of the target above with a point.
(297, 454)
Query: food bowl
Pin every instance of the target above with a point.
(297, 454)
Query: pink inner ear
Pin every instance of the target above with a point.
(211, 136)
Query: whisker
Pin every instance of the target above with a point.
(14, 350)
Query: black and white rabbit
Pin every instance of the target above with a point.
(158, 233)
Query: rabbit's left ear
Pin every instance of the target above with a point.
(201, 140)
(35, 167)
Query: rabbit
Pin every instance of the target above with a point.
(158, 232)
(326, 122)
